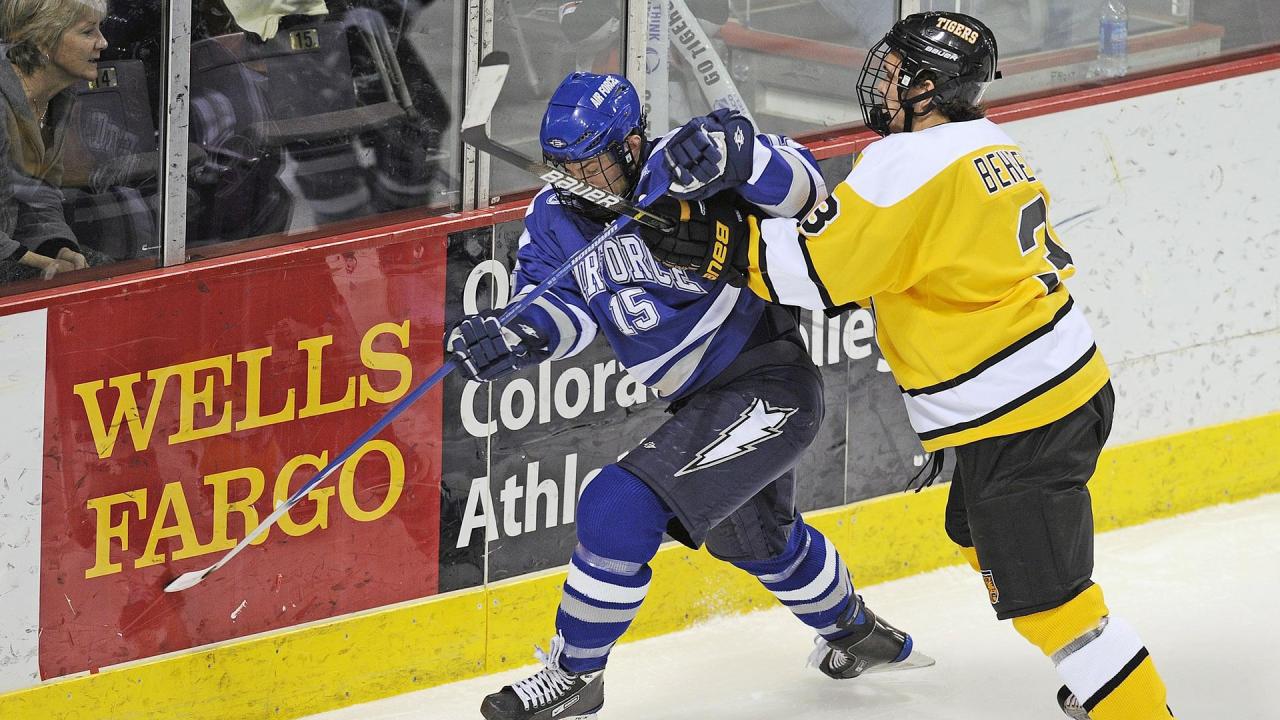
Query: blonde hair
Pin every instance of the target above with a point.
(32, 28)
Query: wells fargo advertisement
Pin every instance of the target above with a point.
(179, 413)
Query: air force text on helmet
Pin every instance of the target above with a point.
(597, 98)
(960, 30)
(564, 181)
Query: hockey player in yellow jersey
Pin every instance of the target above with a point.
(943, 228)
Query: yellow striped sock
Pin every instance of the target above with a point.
(1100, 657)
(1140, 696)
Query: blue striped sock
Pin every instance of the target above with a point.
(620, 525)
(811, 580)
(597, 607)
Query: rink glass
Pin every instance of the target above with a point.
(304, 126)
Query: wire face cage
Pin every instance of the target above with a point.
(879, 71)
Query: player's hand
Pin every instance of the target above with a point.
(712, 238)
(485, 350)
(710, 154)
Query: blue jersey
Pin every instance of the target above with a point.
(672, 331)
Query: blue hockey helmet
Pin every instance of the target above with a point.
(588, 116)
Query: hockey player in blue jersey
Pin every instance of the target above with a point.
(746, 400)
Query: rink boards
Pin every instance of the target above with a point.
(150, 420)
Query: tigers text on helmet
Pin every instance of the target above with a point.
(584, 133)
(957, 52)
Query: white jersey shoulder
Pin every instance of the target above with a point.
(890, 170)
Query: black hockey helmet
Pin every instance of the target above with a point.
(958, 49)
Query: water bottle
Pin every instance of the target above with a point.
(1113, 39)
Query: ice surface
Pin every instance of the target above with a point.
(1201, 589)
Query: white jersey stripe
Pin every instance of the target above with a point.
(576, 328)
(910, 160)
(788, 269)
(564, 326)
(999, 385)
(799, 195)
(701, 334)
(760, 156)
(588, 330)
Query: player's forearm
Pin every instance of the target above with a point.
(567, 328)
(785, 182)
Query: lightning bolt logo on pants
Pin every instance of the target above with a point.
(757, 423)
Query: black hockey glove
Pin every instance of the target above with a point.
(710, 154)
(486, 351)
(712, 238)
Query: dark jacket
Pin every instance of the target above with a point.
(34, 168)
(8, 206)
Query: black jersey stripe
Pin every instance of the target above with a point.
(812, 200)
(823, 295)
(994, 359)
(1014, 404)
(762, 250)
(1115, 680)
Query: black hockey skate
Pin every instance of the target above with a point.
(1070, 704)
(874, 646)
(552, 692)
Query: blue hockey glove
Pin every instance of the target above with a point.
(712, 239)
(710, 154)
(486, 351)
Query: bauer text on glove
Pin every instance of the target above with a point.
(712, 238)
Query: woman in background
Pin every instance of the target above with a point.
(46, 46)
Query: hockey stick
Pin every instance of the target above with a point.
(714, 80)
(193, 578)
(489, 79)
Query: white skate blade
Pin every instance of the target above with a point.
(915, 660)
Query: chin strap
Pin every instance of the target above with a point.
(909, 106)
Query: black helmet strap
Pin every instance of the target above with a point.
(909, 106)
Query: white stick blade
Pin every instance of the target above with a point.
(185, 581)
(490, 76)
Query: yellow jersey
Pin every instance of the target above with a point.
(946, 233)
